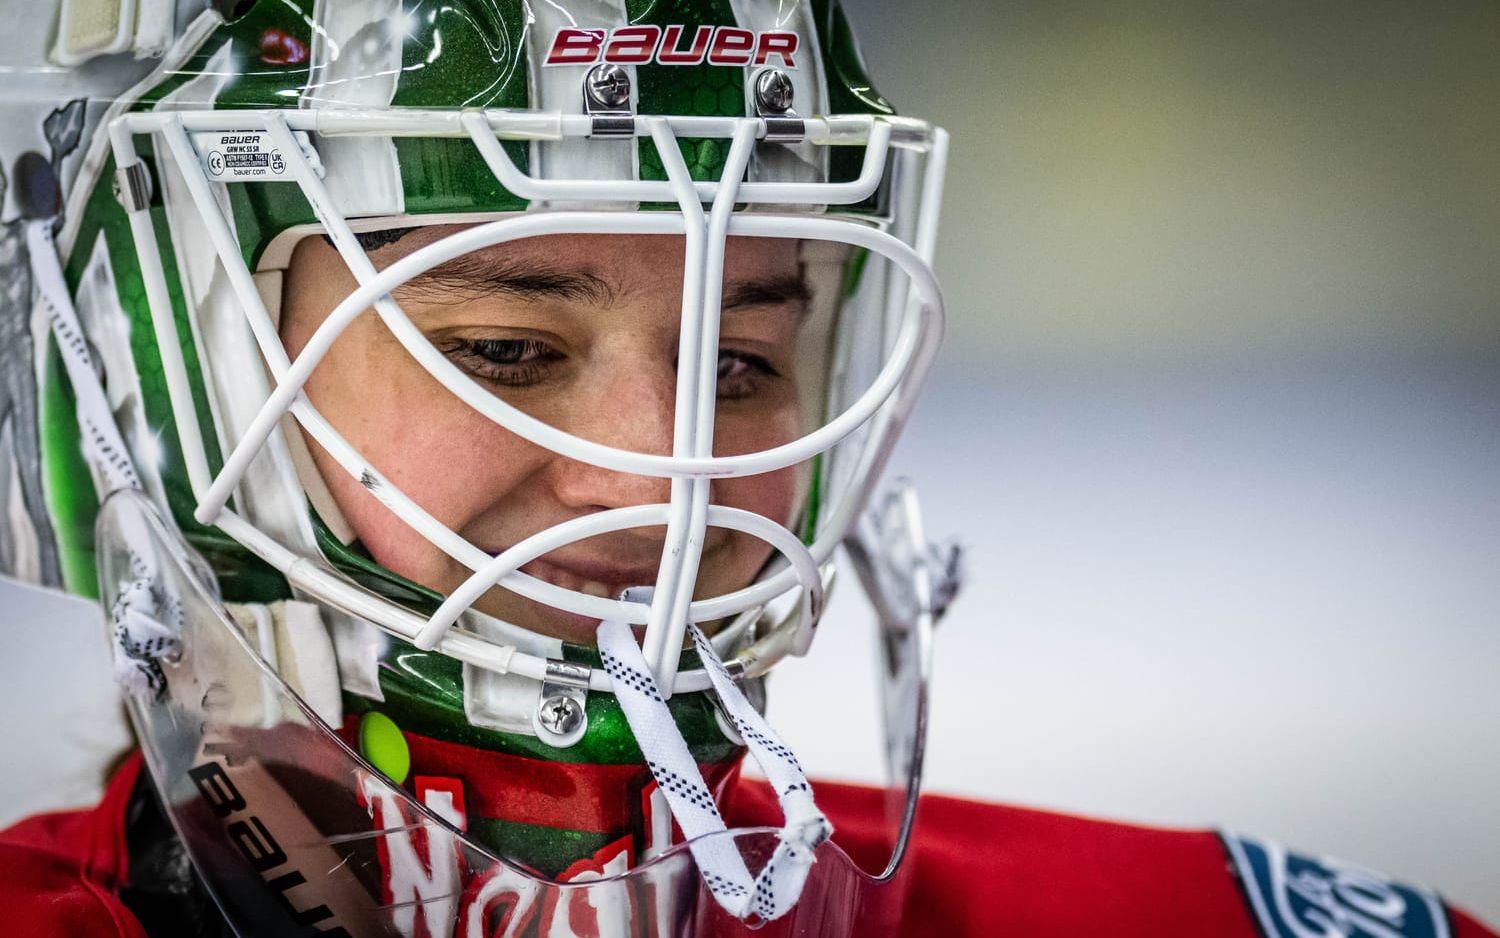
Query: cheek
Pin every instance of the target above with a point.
(450, 460)
(774, 494)
(750, 427)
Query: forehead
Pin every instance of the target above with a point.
(638, 261)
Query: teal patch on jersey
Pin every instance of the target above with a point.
(1297, 896)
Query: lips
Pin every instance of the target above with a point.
(606, 579)
(594, 579)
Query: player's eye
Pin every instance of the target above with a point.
(742, 374)
(515, 363)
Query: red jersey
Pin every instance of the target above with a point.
(978, 869)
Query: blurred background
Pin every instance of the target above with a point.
(1219, 421)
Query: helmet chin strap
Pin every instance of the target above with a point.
(775, 889)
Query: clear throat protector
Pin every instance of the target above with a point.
(293, 832)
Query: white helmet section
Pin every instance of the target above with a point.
(800, 162)
(559, 88)
(355, 62)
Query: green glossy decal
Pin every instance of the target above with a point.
(70, 490)
(547, 850)
(460, 56)
(700, 90)
(850, 90)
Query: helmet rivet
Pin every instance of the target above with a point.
(559, 714)
(607, 87)
(773, 91)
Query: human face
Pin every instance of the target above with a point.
(579, 331)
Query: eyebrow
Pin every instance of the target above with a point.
(473, 276)
(779, 290)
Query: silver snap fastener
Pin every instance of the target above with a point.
(773, 91)
(607, 87)
(559, 714)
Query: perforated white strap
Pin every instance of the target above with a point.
(102, 444)
(777, 887)
(145, 616)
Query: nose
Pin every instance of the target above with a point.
(632, 410)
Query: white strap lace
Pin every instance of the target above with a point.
(145, 616)
(777, 887)
(102, 444)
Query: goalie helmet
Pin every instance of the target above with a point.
(377, 744)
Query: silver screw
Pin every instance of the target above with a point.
(559, 715)
(607, 87)
(773, 91)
